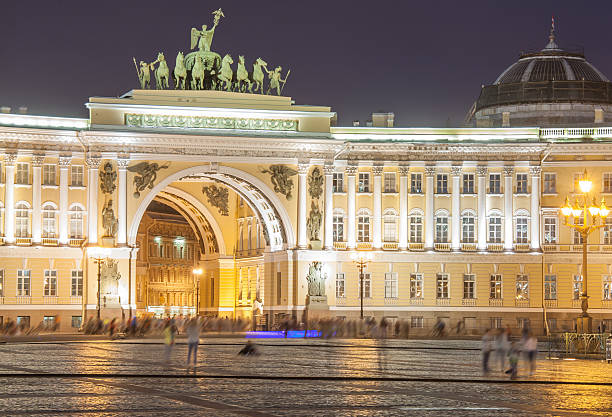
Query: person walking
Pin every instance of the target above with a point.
(530, 346)
(513, 358)
(193, 339)
(487, 347)
(502, 345)
(169, 337)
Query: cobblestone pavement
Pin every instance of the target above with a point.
(290, 378)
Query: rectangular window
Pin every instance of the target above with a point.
(495, 229)
(468, 229)
(495, 183)
(468, 183)
(76, 321)
(441, 234)
(607, 287)
(340, 285)
(23, 173)
(469, 286)
(76, 175)
(390, 182)
(496, 322)
(363, 228)
(442, 286)
(522, 287)
(550, 230)
(522, 322)
(577, 234)
(1, 282)
(521, 183)
(23, 282)
(48, 174)
(364, 182)
(416, 229)
(391, 285)
(416, 183)
(495, 287)
(550, 183)
(522, 228)
(607, 182)
(390, 229)
(367, 287)
(442, 183)
(23, 321)
(607, 231)
(50, 284)
(76, 287)
(550, 287)
(577, 286)
(338, 228)
(416, 322)
(338, 182)
(416, 285)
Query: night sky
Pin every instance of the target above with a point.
(423, 60)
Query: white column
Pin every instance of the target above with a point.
(9, 198)
(37, 161)
(350, 209)
(481, 172)
(403, 205)
(329, 207)
(535, 207)
(429, 207)
(508, 191)
(302, 197)
(122, 165)
(456, 209)
(92, 201)
(64, 163)
(377, 223)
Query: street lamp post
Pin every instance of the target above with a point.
(98, 255)
(197, 272)
(361, 259)
(588, 223)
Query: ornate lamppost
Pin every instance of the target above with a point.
(361, 259)
(590, 218)
(98, 255)
(197, 272)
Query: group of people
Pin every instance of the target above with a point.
(13, 328)
(500, 343)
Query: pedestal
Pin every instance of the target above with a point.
(584, 324)
(316, 307)
(108, 241)
(315, 245)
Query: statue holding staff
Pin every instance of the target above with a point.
(203, 38)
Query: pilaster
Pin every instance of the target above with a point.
(456, 209)
(122, 164)
(9, 198)
(329, 207)
(37, 162)
(508, 235)
(302, 208)
(93, 164)
(403, 204)
(482, 207)
(350, 171)
(377, 223)
(64, 164)
(535, 172)
(429, 207)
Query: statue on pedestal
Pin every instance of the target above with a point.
(109, 221)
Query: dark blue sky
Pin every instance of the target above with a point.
(423, 60)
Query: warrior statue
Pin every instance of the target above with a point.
(144, 73)
(203, 38)
(109, 221)
(276, 80)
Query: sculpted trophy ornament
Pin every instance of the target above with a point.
(316, 280)
(109, 281)
(108, 176)
(217, 197)
(280, 178)
(147, 174)
(109, 221)
(315, 183)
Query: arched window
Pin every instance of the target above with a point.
(363, 225)
(76, 222)
(416, 226)
(390, 225)
(49, 214)
(22, 220)
(495, 227)
(468, 227)
(441, 221)
(338, 225)
(521, 226)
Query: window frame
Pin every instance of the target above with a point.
(495, 228)
(367, 285)
(577, 283)
(468, 182)
(416, 183)
(469, 286)
(363, 228)
(442, 183)
(76, 283)
(363, 182)
(550, 287)
(442, 286)
(416, 228)
(416, 286)
(494, 183)
(549, 183)
(49, 174)
(441, 228)
(469, 227)
(24, 281)
(391, 285)
(50, 283)
(522, 183)
(522, 287)
(389, 182)
(606, 281)
(550, 223)
(340, 285)
(496, 287)
(22, 173)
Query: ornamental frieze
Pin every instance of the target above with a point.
(206, 122)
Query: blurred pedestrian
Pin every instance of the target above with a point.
(487, 347)
(502, 345)
(193, 339)
(169, 337)
(249, 349)
(513, 358)
(530, 346)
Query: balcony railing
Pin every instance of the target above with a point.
(576, 303)
(550, 247)
(416, 301)
(49, 241)
(521, 247)
(76, 242)
(340, 245)
(442, 247)
(495, 247)
(416, 246)
(364, 245)
(442, 301)
(550, 303)
(496, 302)
(469, 302)
(468, 247)
(390, 246)
(76, 299)
(22, 299)
(23, 241)
(50, 299)
(521, 303)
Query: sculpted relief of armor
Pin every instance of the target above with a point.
(109, 280)
(218, 197)
(108, 176)
(315, 183)
(280, 178)
(316, 279)
(147, 174)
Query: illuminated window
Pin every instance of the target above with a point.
(495, 285)
(390, 284)
(495, 229)
(49, 214)
(50, 284)
(607, 287)
(338, 182)
(22, 220)
(416, 285)
(522, 287)
(577, 287)
(340, 285)
(550, 230)
(416, 183)
(442, 286)
(338, 227)
(48, 174)
(607, 231)
(469, 283)
(550, 287)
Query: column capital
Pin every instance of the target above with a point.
(350, 170)
(328, 169)
(481, 171)
(377, 170)
(65, 160)
(9, 159)
(508, 171)
(456, 171)
(38, 159)
(122, 163)
(93, 162)
(430, 171)
(403, 171)
(303, 168)
(535, 171)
